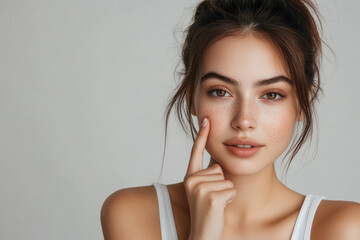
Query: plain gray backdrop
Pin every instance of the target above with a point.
(83, 88)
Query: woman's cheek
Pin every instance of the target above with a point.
(212, 110)
(217, 131)
(281, 127)
(216, 115)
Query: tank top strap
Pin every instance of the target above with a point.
(305, 218)
(167, 222)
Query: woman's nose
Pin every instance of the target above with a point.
(244, 116)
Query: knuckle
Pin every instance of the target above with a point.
(189, 182)
(230, 183)
(217, 168)
(189, 179)
(200, 190)
(213, 199)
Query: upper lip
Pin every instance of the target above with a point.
(243, 141)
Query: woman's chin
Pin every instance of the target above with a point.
(242, 167)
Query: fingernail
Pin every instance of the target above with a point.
(204, 122)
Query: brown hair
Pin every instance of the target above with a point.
(289, 24)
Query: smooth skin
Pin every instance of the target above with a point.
(233, 198)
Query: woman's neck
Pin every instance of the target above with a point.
(258, 197)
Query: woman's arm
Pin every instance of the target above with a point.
(114, 216)
(130, 214)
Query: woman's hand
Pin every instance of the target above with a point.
(207, 192)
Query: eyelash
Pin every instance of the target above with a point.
(278, 92)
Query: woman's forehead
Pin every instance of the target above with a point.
(245, 57)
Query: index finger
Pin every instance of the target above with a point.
(196, 157)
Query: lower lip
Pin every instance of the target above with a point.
(243, 152)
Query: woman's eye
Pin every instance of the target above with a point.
(273, 96)
(219, 92)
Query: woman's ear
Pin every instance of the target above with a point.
(192, 109)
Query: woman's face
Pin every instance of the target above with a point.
(245, 91)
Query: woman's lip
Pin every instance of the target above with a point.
(242, 141)
(243, 152)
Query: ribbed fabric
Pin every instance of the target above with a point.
(167, 222)
(301, 230)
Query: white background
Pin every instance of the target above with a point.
(83, 88)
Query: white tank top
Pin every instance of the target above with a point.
(301, 230)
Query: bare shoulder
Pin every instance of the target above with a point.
(337, 220)
(131, 213)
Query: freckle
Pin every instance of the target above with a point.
(216, 117)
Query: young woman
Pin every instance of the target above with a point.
(251, 75)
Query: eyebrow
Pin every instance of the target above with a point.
(280, 78)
